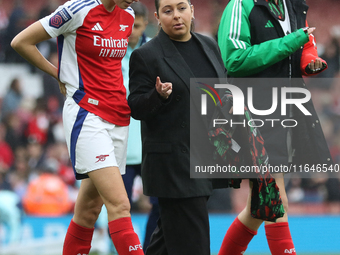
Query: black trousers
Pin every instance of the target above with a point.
(182, 229)
(151, 224)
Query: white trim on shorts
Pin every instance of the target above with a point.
(92, 142)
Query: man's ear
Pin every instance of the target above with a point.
(157, 18)
(192, 10)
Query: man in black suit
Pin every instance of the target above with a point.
(160, 73)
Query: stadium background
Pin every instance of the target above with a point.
(314, 203)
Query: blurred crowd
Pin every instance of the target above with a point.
(33, 147)
(36, 176)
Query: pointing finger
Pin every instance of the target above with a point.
(158, 81)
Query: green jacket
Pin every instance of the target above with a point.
(254, 45)
(251, 38)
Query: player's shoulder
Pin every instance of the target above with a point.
(76, 7)
(130, 11)
(247, 2)
(243, 3)
(71, 13)
(235, 6)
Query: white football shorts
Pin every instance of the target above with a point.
(93, 143)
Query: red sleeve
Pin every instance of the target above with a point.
(309, 53)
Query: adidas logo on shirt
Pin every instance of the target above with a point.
(269, 24)
(97, 27)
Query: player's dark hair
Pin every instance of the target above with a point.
(140, 10)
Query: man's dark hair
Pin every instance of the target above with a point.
(140, 10)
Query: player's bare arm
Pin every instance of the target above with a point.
(25, 44)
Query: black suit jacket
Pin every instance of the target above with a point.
(166, 124)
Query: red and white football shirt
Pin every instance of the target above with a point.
(91, 44)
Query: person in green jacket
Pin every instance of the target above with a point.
(271, 39)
